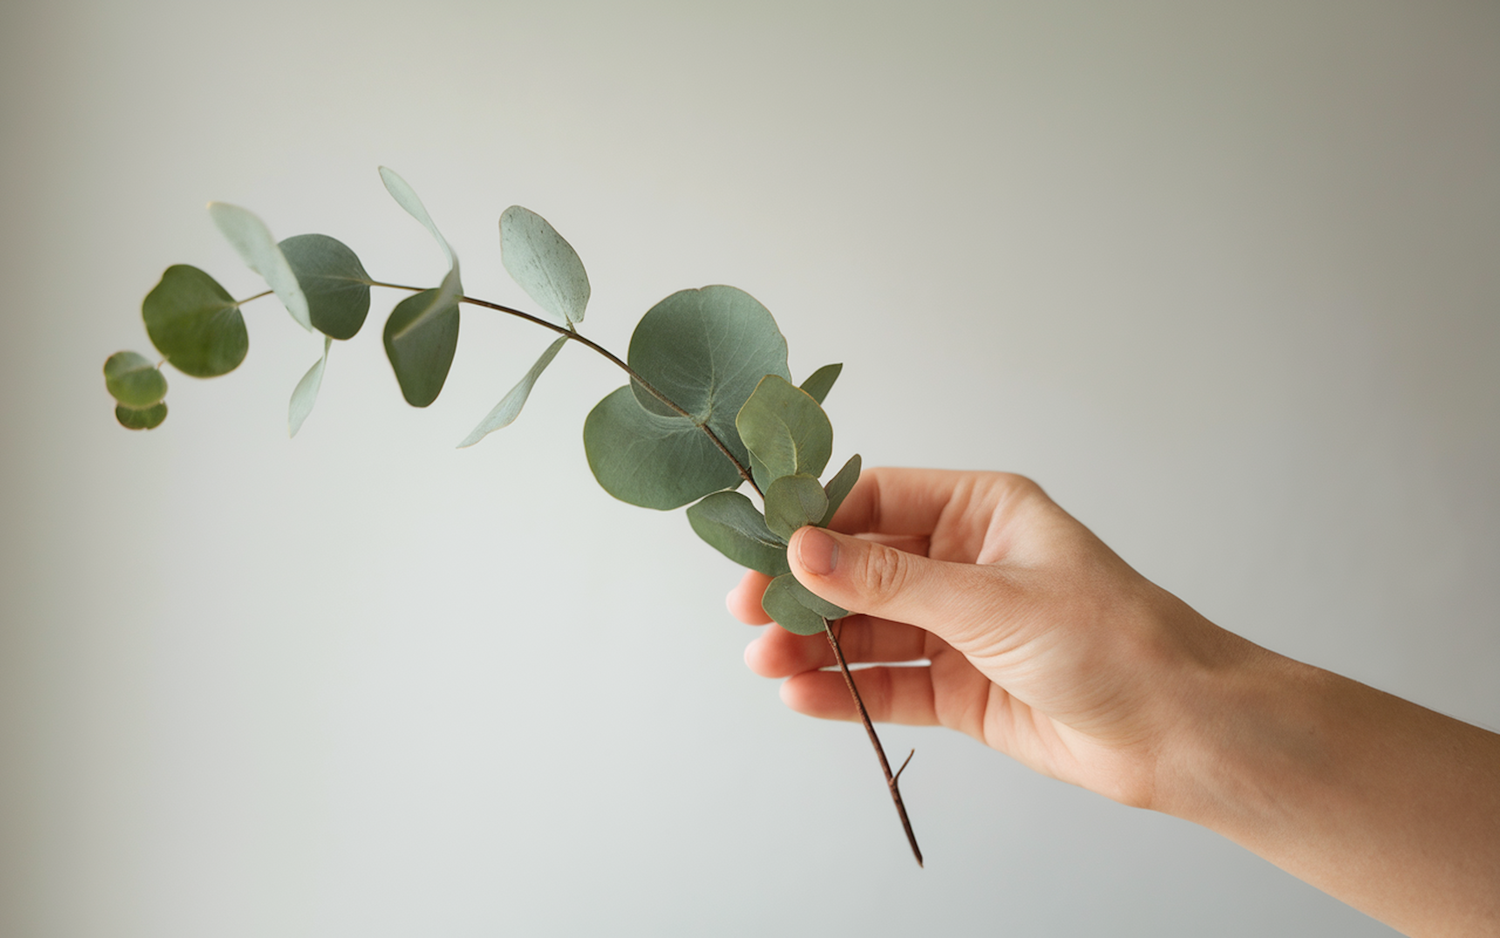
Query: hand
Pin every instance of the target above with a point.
(1042, 642)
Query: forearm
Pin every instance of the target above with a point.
(1381, 803)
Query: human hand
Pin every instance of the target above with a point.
(1041, 642)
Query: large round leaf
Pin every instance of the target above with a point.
(650, 460)
(420, 339)
(333, 281)
(133, 380)
(194, 323)
(706, 350)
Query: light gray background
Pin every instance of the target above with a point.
(1222, 276)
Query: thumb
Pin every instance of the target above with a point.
(951, 600)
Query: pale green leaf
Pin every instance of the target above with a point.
(838, 488)
(451, 288)
(820, 382)
(785, 429)
(510, 405)
(543, 263)
(133, 380)
(793, 501)
(333, 280)
(305, 394)
(194, 323)
(650, 460)
(421, 336)
(731, 524)
(250, 238)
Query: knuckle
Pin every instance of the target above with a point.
(886, 572)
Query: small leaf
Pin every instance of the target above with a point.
(510, 405)
(838, 488)
(141, 418)
(820, 382)
(305, 394)
(133, 380)
(706, 349)
(251, 239)
(650, 460)
(729, 522)
(793, 501)
(796, 608)
(543, 263)
(420, 339)
(194, 323)
(785, 429)
(333, 280)
(451, 288)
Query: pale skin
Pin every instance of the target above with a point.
(1047, 646)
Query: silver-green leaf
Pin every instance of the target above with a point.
(650, 460)
(794, 501)
(543, 263)
(421, 336)
(451, 288)
(838, 488)
(796, 608)
(820, 382)
(195, 323)
(509, 408)
(785, 429)
(133, 380)
(252, 240)
(305, 394)
(333, 280)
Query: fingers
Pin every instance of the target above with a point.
(779, 653)
(914, 501)
(954, 601)
(744, 600)
(890, 695)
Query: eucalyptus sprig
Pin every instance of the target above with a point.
(709, 405)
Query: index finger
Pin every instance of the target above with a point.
(912, 502)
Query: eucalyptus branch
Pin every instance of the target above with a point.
(714, 350)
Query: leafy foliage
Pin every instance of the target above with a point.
(333, 281)
(543, 263)
(194, 323)
(510, 405)
(729, 522)
(132, 380)
(249, 236)
(421, 336)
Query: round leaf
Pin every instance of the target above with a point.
(141, 418)
(794, 501)
(706, 349)
(420, 338)
(333, 280)
(729, 522)
(133, 380)
(796, 608)
(650, 460)
(194, 323)
(543, 263)
(785, 429)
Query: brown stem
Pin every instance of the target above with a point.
(892, 781)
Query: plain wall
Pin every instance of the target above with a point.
(1223, 277)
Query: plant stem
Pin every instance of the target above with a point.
(892, 781)
(572, 333)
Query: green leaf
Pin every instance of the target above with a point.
(333, 280)
(705, 349)
(729, 522)
(510, 405)
(420, 338)
(793, 501)
(820, 382)
(838, 488)
(194, 323)
(650, 460)
(796, 608)
(142, 418)
(451, 288)
(543, 263)
(133, 380)
(785, 429)
(305, 394)
(251, 239)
